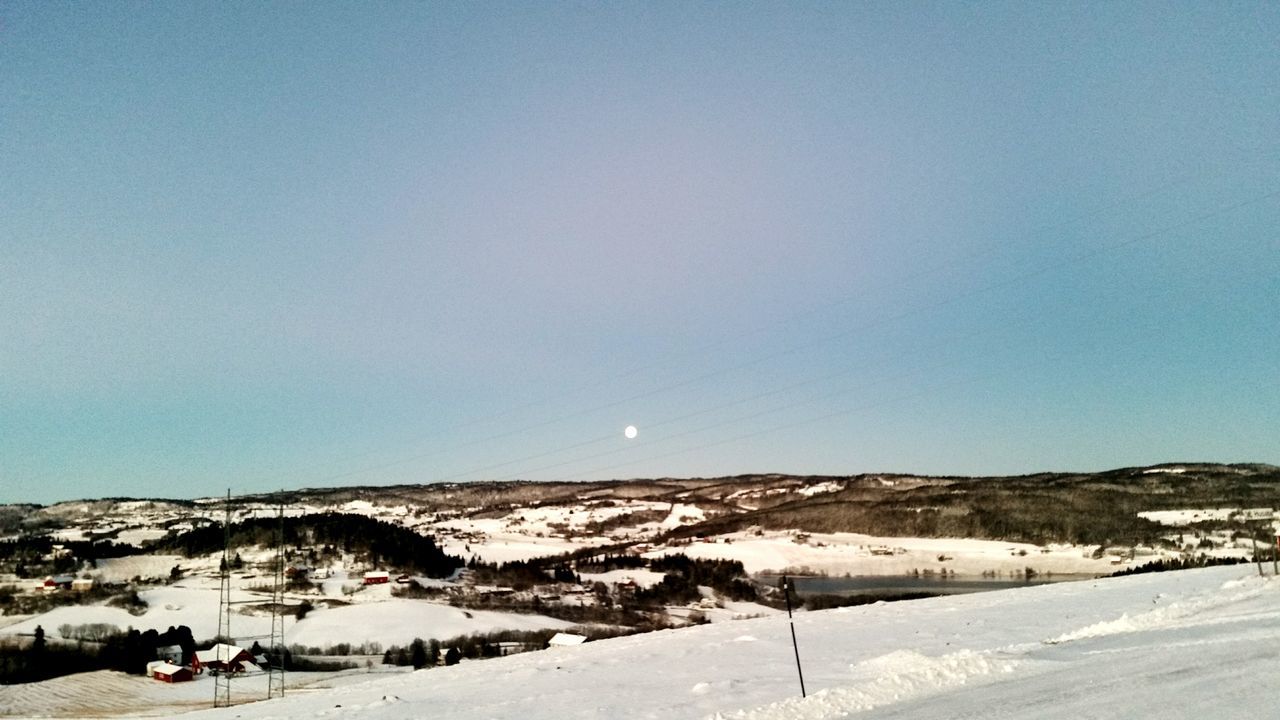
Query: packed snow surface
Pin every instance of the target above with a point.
(1191, 644)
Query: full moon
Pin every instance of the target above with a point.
(631, 432)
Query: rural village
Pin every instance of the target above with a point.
(368, 583)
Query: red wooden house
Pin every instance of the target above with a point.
(170, 673)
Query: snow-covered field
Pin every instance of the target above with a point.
(855, 554)
(195, 607)
(114, 694)
(194, 602)
(116, 570)
(642, 577)
(1182, 518)
(397, 622)
(1191, 644)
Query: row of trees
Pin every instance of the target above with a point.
(128, 652)
(377, 542)
(33, 556)
(1085, 509)
(683, 575)
(429, 653)
(521, 574)
(1182, 563)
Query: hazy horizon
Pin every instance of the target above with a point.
(300, 489)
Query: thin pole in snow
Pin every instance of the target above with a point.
(1257, 554)
(786, 590)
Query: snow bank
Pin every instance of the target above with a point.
(1172, 613)
(885, 680)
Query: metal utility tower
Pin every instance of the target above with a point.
(222, 681)
(275, 670)
(275, 646)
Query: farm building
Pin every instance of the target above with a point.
(377, 577)
(565, 639)
(82, 584)
(511, 648)
(223, 658)
(57, 582)
(170, 673)
(170, 653)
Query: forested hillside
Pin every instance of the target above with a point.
(380, 543)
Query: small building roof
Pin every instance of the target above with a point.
(221, 652)
(167, 668)
(566, 639)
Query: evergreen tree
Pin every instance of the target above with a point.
(433, 652)
(418, 652)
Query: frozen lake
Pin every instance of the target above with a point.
(892, 584)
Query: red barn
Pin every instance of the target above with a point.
(170, 673)
(376, 578)
(57, 582)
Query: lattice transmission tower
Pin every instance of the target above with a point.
(275, 679)
(222, 681)
(275, 640)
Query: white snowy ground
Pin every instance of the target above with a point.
(856, 554)
(374, 616)
(1192, 644)
(398, 622)
(108, 693)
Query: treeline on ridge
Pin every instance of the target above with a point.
(378, 542)
(1086, 508)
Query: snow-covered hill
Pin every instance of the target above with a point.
(1191, 644)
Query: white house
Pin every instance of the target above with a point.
(225, 658)
(565, 640)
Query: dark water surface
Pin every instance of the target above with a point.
(891, 584)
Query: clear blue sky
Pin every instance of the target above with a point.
(266, 245)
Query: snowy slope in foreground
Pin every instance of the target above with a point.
(1191, 644)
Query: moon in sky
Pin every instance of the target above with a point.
(631, 432)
